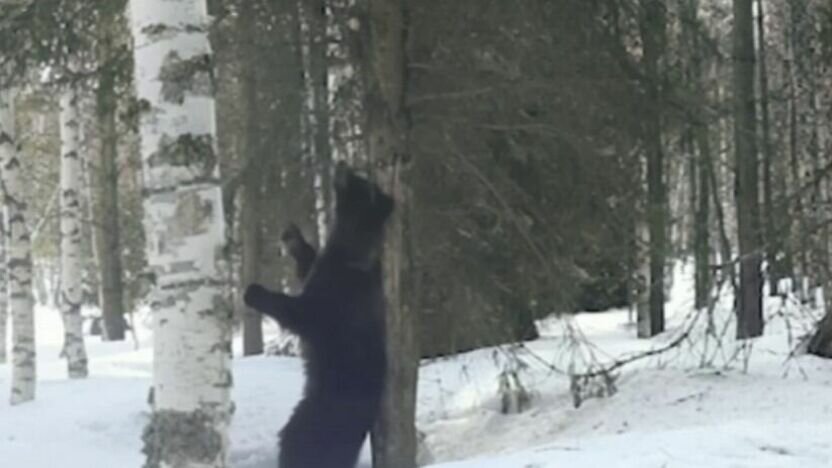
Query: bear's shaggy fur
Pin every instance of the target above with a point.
(339, 317)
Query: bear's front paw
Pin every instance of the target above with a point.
(255, 296)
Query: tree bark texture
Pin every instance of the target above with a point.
(251, 211)
(772, 238)
(18, 258)
(652, 33)
(821, 342)
(701, 132)
(394, 435)
(344, 85)
(315, 115)
(105, 175)
(184, 226)
(4, 290)
(749, 304)
(71, 235)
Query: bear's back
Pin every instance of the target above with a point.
(346, 353)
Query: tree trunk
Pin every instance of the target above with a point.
(251, 214)
(4, 289)
(652, 33)
(107, 238)
(702, 212)
(184, 227)
(315, 115)
(344, 84)
(71, 236)
(18, 258)
(750, 304)
(251, 239)
(772, 235)
(394, 435)
(821, 342)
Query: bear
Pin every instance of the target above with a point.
(339, 317)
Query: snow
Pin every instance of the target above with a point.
(772, 409)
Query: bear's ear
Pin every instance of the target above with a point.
(342, 175)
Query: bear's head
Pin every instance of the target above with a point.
(361, 210)
(358, 199)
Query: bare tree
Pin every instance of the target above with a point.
(251, 229)
(651, 319)
(750, 303)
(105, 173)
(387, 133)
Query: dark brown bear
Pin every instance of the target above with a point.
(339, 317)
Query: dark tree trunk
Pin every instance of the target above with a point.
(821, 342)
(750, 304)
(387, 131)
(699, 171)
(773, 242)
(105, 178)
(652, 33)
(798, 224)
(251, 214)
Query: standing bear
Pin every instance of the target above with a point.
(339, 318)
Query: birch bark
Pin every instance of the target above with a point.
(19, 258)
(184, 228)
(4, 290)
(71, 292)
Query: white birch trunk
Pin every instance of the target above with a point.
(4, 291)
(344, 84)
(309, 123)
(184, 228)
(71, 292)
(19, 258)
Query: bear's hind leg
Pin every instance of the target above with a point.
(317, 436)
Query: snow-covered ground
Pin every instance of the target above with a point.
(699, 405)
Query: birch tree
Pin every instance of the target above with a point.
(4, 288)
(18, 258)
(315, 111)
(184, 228)
(70, 201)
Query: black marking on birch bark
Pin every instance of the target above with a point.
(191, 284)
(72, 196)
(18, 262)
(227, 380)
(6, 139)
(187, 150)
(12, 163)
(158, 31)
(16, 217)
(223, 347)
(207, 180)
(179, 77)
(71, 155)
(173, 437)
